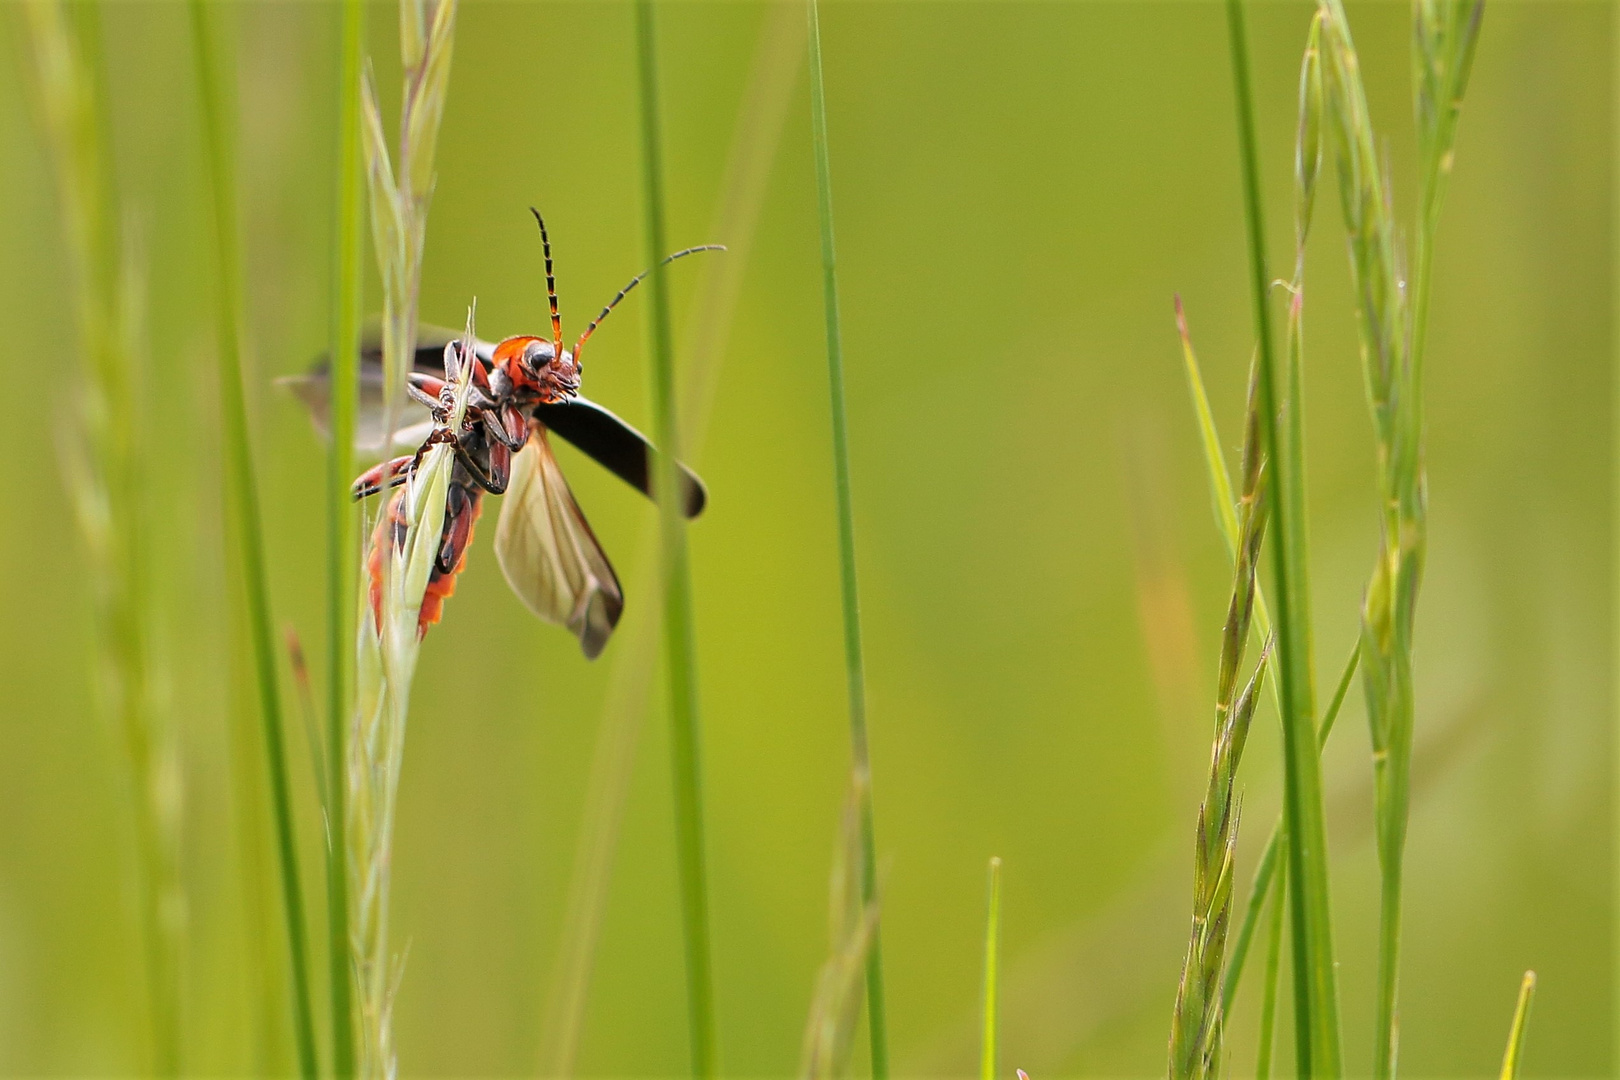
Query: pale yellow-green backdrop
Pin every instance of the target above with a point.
(1020, 188)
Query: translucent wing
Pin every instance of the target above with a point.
(548, 553)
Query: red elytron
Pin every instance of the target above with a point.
(520, 390)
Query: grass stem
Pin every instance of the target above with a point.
(854, 656)
(992, 964)
(1315, 989)
(679, 643)
(242, 497)
(341, 541)
(1268, 1004)
(1521, 1017)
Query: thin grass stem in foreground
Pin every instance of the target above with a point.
(1521, 1017)
(243, 499)
(1315, 979)
(854, 656)
(341, 542)
(679, 644)
(106, 467)
(992, 965)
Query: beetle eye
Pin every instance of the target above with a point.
(537, 356)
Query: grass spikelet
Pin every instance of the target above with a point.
(680, 646)
(1521, 1017)
(400, 196)
(388, 650)
(400, 191)
(106, 467)
(835, 1008)
(1392, 321)
(243, 499)
(1196, 1024)
(854, 656)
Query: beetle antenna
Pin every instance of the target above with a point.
(591, 329)
(551, 287)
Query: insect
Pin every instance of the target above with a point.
(522, 390)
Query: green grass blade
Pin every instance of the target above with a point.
(679, 644)
(1315, 980)
(1220, 482)
(854, 658)
(992, 964)
(242, 497)
(341, 541)
(1521, 1017)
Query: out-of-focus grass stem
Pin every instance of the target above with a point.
(341, 532)
(992, 965)
(679, 646)
(1315, 978)
(854, 654)
(106, 477)
(242, 497)
(1521, 1017)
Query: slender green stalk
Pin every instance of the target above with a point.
(992, 948)
(1521, 1017)
(1268, 1004)
(854, 657)
(106, 470)
(1315, 990)
(679, 645)
(341, 532)
(243, 499)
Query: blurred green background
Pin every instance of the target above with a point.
(1020, 188)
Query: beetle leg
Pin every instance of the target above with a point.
(387, 474)
(506, 425)
(494, 478)
(516, 423)
(460, 511)
(428, 389)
